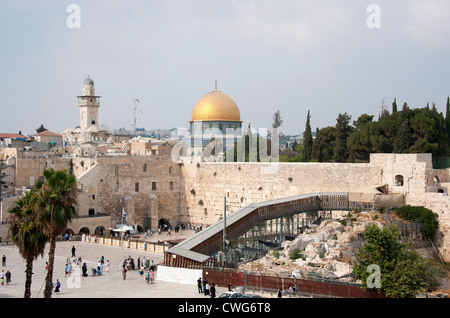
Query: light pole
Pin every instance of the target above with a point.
(124, 215)
(225, 230)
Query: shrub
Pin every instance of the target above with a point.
(426, 216)
(295, 254)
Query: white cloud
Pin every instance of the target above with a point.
(429, 20)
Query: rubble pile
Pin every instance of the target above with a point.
(327, 250)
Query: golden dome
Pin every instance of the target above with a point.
(216, 106)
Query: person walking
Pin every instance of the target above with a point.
(73, 251)
(152, 265)
(84, 269)
(57, 286)
(199, 285)
(8, 277)
(124, 272)
(212, 291)
(207, 289)
(107, 265)
(4, 260)
(66, 270)
(152, 277)
(2, 277)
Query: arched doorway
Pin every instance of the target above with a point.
(100, 230)
(164, 224)
(84, 230)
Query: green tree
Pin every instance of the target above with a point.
(426, 216)
(27, 234)
(403, 138)
(403, 272)
(323, 144)
(294, 145)
(277, 121)
(447, 120)
(343, 130)
(41, 128)
(56, 200)
(362, 121)
(307, 140)
(394, 106)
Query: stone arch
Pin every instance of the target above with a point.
(68, 231)
(399, 180)
(164, 224)
(100, 230)
(84, 230)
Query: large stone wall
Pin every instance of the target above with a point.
(111, 185)
(246, 183)
(199, 188)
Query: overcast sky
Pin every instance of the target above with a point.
(292, 56)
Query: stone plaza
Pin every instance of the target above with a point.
(109, 285)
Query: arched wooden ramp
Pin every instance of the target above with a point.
(198, 249)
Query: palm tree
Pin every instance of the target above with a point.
(57, 201)
(27, 234)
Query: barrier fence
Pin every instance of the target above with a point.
(136, 244)
(304, 287)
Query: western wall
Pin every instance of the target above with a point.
(194, 192)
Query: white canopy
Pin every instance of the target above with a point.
(124, 228)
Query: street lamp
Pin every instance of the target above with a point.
(225, 230)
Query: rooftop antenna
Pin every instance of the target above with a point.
(136, 104)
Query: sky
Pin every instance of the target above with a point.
(325, 56)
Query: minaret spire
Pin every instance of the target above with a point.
(216, 86)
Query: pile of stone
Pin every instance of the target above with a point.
(327, 250)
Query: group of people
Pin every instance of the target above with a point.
(129, 264)
(291, 291)
(5, 277)
(206, 289)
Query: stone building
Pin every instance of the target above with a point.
(48, 137)
(88, 132)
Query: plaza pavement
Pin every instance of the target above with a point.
(109, 285)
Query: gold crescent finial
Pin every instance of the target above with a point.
(216, 86)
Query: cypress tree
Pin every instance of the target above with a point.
(307, 140)
(447, 120)
(343, 130)
(394, 106)
(403, 139)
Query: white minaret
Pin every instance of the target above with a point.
(88, 104)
